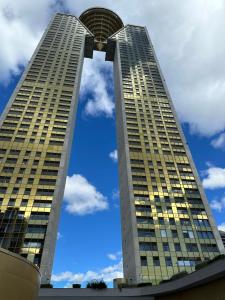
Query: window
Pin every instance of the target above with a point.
(163, 233)
(168, 261)
(49, 172)
(177, 247)
(24, 203)
(174, 233)
(166, 247)
(32, 244)
(205, 234)
(145, 246)
(42, 203)
(185, 222)
(209, 248)
(51, 163)
(30, 180)
(156, 261)
(22, 170)
(192, 247)
(146, 232)
(27, 191)
(161, 221)
(14, 152)
(188, 234)
(11, 160)
(15, 191)
(143, 208)
(44, 192)
(39, 216)
(159, 209)
(38, 229)
(19, 180)
(11, 202)
(4, 179)
(171, 221)
(182, 210)
(185, 262)
(144, 220)
(8, 169)
(144, 261)
(201, 222)
(47, 181)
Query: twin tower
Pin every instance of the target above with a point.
(167, 225)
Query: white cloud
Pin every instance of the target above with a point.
(115, 194)
(215, 178)
(221, 226)
(111, 256)
(115, 256)
(219, 142)
(95, 84)
(59, 236)
(114, 155)
(107, 274)
(21, 26)
(82, 197)
(218, 205)
(67, 276)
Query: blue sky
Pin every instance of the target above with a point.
(89, 239)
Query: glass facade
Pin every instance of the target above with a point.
(167, 225)
(35, 136)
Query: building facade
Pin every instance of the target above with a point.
(222, 234)
(167, 225)
(35, 140)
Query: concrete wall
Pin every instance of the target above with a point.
(19, 279)
(213, 290)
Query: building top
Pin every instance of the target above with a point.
(102, 23)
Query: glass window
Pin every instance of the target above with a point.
(166, 247)
(156, 261)
(161, 221)
(177, 247)
(188, 234)
(145, 246)
(143, 261)
(168, 261)
(163, 233)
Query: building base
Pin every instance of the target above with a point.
(206, 283)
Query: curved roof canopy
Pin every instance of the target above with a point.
(102, 23)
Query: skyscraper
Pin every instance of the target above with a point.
(222, 234)
(167, 225)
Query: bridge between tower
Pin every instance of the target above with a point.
(102, 23)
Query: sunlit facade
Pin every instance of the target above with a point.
(35, 140)
(167, 225)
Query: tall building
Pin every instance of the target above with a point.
(222, 234)
(167, 225)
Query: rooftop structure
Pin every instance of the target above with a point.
(102, 23)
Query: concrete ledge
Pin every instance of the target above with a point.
(214, 271)
(19, 278)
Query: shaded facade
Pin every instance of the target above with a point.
(167, 225)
